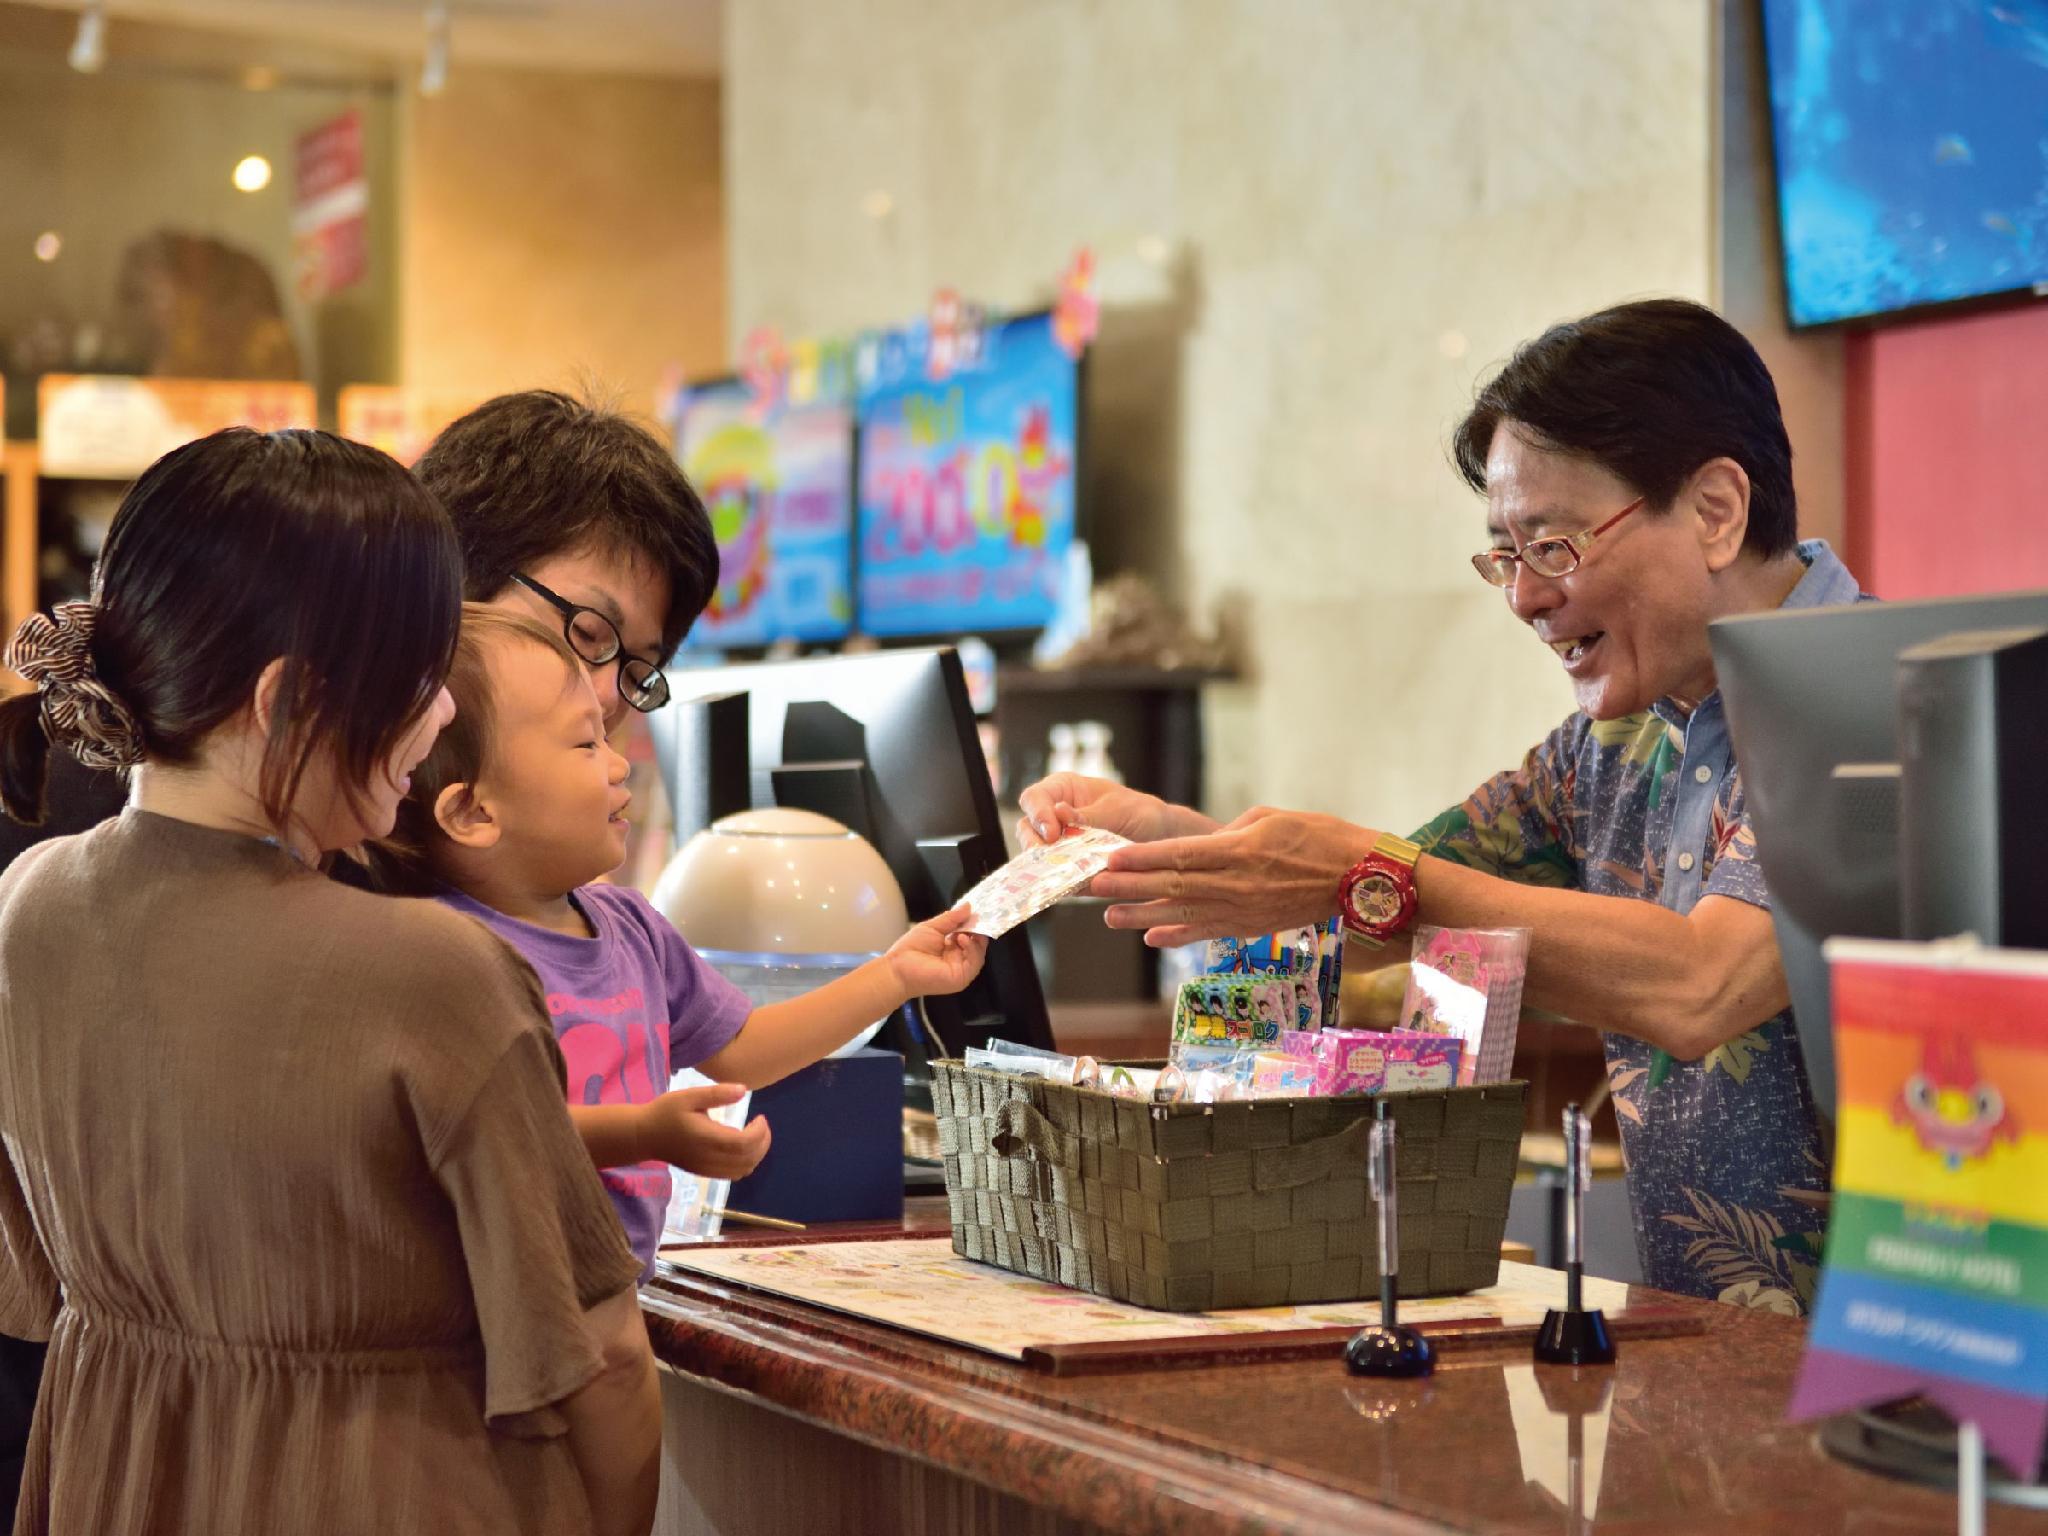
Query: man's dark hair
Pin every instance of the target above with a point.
(1649, 391)
(537, 474)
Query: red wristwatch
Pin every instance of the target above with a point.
(1377, 898)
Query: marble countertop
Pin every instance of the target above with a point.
(1684, 1435)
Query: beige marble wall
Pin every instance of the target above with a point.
(1318, 222)
(561, 230)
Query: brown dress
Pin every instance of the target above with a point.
(290, 1188)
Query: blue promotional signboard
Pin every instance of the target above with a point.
(967, 482)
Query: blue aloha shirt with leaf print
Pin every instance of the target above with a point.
(1650, 807)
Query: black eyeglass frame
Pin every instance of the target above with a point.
(641, 683)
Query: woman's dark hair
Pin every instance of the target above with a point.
(1648, 391)
(244, 548)
(537, 474)
(405, 862)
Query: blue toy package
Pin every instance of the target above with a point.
(1313, 958)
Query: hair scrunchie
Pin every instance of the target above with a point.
(54, 651)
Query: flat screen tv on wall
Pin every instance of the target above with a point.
(968, 487)
(779, 487)
(1911, 139)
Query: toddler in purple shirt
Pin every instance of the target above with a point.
(517, 810)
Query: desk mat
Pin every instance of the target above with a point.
(919, 1284)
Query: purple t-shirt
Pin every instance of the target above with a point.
(630, 1007)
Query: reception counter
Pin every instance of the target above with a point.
(783, 1418)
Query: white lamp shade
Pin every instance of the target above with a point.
(782, 882)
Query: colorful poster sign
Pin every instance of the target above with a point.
(402, 422)
(779, 486)
(98, 426)
(1936, 1278)
(330, 208)
(967, 485)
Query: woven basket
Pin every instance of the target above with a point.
(1198, 1207)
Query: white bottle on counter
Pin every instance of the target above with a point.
(1093, 760)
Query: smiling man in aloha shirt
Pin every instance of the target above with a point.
(1638, 482)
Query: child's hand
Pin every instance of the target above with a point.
(935, 959)
(681, 1131)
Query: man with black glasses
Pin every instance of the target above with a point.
(579, 516)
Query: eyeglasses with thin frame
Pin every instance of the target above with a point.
(596, 639)
(1556, 556)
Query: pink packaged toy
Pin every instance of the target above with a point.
(1467, 983)
(1390, 1061)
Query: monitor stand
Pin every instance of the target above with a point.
(1916, 1442)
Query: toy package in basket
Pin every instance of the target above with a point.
(1244, 1011)
(1467, 983)
(1312, 960)
(1374, 1060)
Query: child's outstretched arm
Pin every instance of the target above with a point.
(673, 1128)
(932, 959)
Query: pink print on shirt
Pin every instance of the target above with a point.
(614, 1059)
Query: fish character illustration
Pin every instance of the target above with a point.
(1952, 1108)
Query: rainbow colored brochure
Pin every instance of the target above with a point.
(1936, 1280)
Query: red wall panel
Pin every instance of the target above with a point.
(1947, 439)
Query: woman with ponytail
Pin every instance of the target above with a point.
(288, 1182)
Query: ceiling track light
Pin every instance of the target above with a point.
(89, 48)
(434, 66)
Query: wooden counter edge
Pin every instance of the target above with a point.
(1133, 1483)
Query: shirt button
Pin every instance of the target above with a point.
(1702, 774)
(1685, 861)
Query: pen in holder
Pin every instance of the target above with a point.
(1388, 1349)
(1575, 1336)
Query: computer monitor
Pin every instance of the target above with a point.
(1812, 696)
(885, 743)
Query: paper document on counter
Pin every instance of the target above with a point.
(921, 1285)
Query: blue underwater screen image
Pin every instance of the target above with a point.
(1912, 147)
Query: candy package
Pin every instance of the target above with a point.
(1276, 1074)
(1466, 983)
(1210, 1072)
(1031, 1061)
(1128, 1082)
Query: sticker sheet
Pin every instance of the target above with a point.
(1038, 877)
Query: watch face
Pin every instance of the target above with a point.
(1376, 900)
